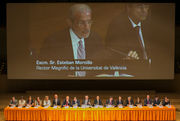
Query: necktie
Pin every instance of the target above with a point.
(148, 102)
(137, 28)
(81, 51)
(81, 54)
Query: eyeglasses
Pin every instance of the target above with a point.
(82, 23)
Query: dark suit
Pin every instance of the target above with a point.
(165, 103)
(123, 38)
(110, 103)
(77, 102)
(96, 102)
(14, 102)
(28, 101)
(59, 46)
(147, 102)
(56, 103)
(66, 103)
(119, 102)
(156, 102)
(88, 102)
(129, 103)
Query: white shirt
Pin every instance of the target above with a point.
(140, 33)
(140, 30)
(75, 42)
(47, 103)
(22, 102)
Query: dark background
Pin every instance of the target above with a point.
(7, 85)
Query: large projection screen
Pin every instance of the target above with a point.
(90, 40)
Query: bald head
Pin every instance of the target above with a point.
(80, 20)
(78, 8)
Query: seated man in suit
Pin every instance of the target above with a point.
(13, 102)
(156, 101)
(147, 101)
(77, 42)
(30, 102)
(97, 101)
(129, 101)
(46, 102)
(119, 101)
(110, 101)
(86, 101)
(66, 102)
(56, 101)
(166, 101)
(75, 102)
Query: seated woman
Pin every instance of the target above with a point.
(166, 101)
(138, 102)
(38, 102)
(30, 102)
(46, 102)
(13, 102)
(22, 102)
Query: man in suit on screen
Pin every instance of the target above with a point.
(126, 34)
(77, 42)
(127, 38)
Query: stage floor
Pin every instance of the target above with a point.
(174, 98)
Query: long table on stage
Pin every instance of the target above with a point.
(95, 114)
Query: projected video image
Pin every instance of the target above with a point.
(90, 40)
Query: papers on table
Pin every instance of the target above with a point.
(19, 106)
(85, 106)
(120, 106)
(98, 106)
(66, 106)
(37, 106)
(46, 106)
(12, 106)
(109, 106)
(160, 106)
(130, 106)
(150, 106)
(169, 106)
(75, 106)
(139, 106)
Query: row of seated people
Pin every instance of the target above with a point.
(56, 102)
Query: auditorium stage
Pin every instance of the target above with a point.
(174, 98)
